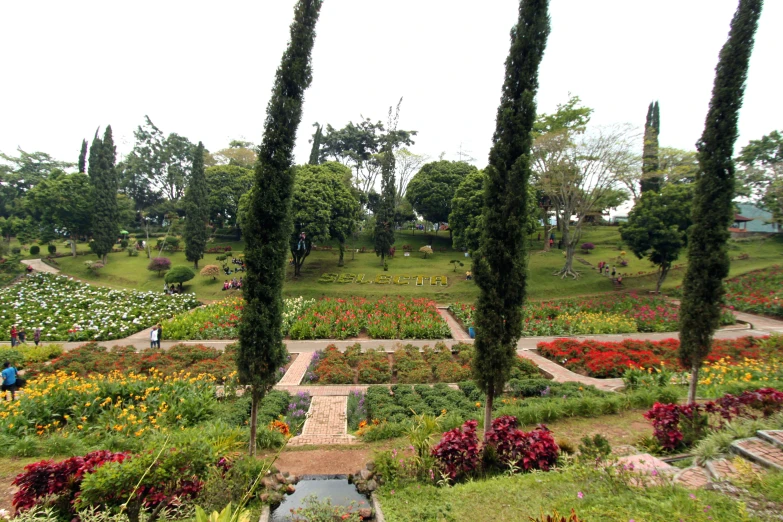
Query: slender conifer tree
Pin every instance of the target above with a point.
(708, 258)
(315, 152)
(83, 157)
(500, 268)
(103, 177)
(268, 221)
(196, 209)
(650, 165)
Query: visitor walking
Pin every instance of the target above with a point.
(37, 336)
(14, 333)
(614, 271)
(153, 336)
(160, 334)
(9, 374)
(22, 335)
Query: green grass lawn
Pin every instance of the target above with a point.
(123, 271)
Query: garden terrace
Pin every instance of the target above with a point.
(612, 359)
(606, 314)
(67, 310)
(758, 292)
(406, 365)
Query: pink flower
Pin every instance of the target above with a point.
(579, 495)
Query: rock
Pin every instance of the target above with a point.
(361, 486)
(370, 466)
(290, 489)
(292, 479)
(366, 474)
(264, 498)
(286, 474)
(372, 485)
(365, 513)
(279, 478)
(268, 482)
(278, 487)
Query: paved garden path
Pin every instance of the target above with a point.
(457, 332)
(39, 266)
(326, 422)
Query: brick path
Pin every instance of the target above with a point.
(457, 332)
(692, 478)
(293, 376)
(772, 436)
(40, 266)
(724, 469)
(326, 422)
(759, 451)
(560, 374)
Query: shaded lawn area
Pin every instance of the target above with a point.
(522, 496)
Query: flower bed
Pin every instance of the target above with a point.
(611, 359)
(67, 310)
(758, 292)
(407, 365)
(608, 314)
(221, 320)
(385, 318)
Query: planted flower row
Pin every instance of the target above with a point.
(406, 365)
(612, 359)
(759, 292)
(67, 310)
(607, 314)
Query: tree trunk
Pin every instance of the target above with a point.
(253, 420)
(694, 382)
(195, 264)
(73, 247)
(148, 243)
(662, 277)
(488, 412)
(105, 258)
(341, 261)
(570, 245)
(383, 258)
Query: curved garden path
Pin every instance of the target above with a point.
(40, 266)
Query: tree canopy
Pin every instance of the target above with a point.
(432, 189)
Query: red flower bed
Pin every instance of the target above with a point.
(611, 359)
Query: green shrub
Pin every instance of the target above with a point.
(179, 274)
(35, 250)
(52, 249)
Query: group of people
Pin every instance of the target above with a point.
(171, 290)
(19, 336)
(609, 271)
(241, 267)
(234, 284)
(155, 336)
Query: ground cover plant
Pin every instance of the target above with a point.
(220, 320)
(612, 359)
(24, 355)
(606, 314)
(757, 292)
(67, 310)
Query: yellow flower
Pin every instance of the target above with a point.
(478, 405)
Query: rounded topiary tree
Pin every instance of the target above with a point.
(426, 250)
(587, 247)
(159, 264)
(52, 249)
(210, 271)
(179, 274)
(34, 250)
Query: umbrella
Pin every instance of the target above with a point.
(124, 232)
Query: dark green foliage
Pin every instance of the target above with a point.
(179, 274)
(708, 259)
(594, 449)
(35, 250)
(651, 180)
(196, 209)
(433, 188)
(83, 157)
(384, 214)
(657, 226)
(103, 178)
(316, 150)
(500, 269)
(267, 226)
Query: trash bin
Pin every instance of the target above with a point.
(472, 332)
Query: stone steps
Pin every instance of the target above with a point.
(758, 450)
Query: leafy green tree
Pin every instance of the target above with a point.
(238, 154)
(432, 189)
(315, 152)
(384, 217)
(267, 224)
(708, 258)
(103, 178)
(227, 184)
(650, 166)
(657, 227)
(500, 268)
(63, 201)
(761, 173)
(196, 209)
(83, 157)
(179, 274)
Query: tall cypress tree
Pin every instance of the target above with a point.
(384, 215)
(83, 157)
(268, 221)
(650, 165)
(708, 258)
(500, 266)
(196, 209)
(315, 152)
(103, 177)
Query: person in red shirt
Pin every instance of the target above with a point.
(14, 334)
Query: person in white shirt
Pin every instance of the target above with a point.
(153, 337)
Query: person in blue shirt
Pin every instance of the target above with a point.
(9, 380)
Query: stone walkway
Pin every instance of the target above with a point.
(560, 374)
(40, 266)
(457, 332)
(293, 376)
(326, 422)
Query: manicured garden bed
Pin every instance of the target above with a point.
(757, 292)
(606, 314)
(192, 359)
(67, 310)
(612, 359)
(406, 365)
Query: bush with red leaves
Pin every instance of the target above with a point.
(457, 453)
(526, 450)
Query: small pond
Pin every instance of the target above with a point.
(334, 487)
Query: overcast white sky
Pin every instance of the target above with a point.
(205, 69)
